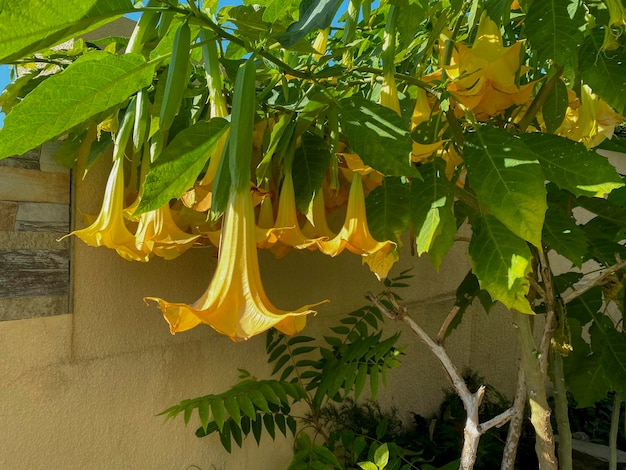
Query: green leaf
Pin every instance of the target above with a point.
(555, 107)
(82, 91)
(501, 262)
(508, 180)
(245, 404)
(359, 383)
(571, 166)
(387, 209)
(29, 26)
(225, 438)
(431, 208)
(268, 421)
(584, 374)
(554, 29)
(231, 405)
(381, 456)
(562, 234)
(178, 166)
(314, 15)
(309, 168)
(378, 135)
(217, 408)
(259, 400)
(203, 412)
(604, 71)
(368, 466)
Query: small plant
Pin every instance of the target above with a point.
(318, 375)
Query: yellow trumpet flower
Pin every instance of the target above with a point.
(235, 303)
(289, 233)
(389, 93)
(109, 228)
(158, 234)
(356, 237)
(483, 76)
(421, 113)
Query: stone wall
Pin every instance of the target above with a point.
(34, 213)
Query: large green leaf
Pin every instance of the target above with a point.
(314, 15)
(92, 85)
(508, 180)
(309, 168)
(606, 340)
(28, 26)
(501, 261)
(571, 166)
(378, 135)
(387, 207)
(177, 168)
(431, 210)
(583, 370)
(554, 29)
(604, 71)
(555, 107)
(562, 234)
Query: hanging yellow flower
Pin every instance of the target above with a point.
(158, 234)
(109, 228)
(235, 303)
(483, 77)
(289, 234)
(356, 237)
(421, 113)
(589, 120)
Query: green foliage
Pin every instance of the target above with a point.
(353, 354)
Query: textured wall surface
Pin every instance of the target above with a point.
(81, 390)
(80, 386)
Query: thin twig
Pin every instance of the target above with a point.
(441, 336)
(596, 282)
(549, 297)
(515, 428)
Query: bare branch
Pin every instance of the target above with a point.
(441, 336)
(596, 282)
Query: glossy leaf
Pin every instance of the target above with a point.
(508, 180)
(378, 135)
(431, 208)
(562, 234)
(571, 166)
(604, 71)
(82, 91)
(309, 169)
(29, 26)
(555, 107)
(554, 28)
(314, 15)
(387, 208)
(501, 261)
(178, 167)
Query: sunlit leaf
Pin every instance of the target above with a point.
(554, 29)
(501, 261)
(378, 135)
(314, 15)
(571, 166)
(508, 180)
(28, 26)
(431, 208)
(177, 168)
(83, 90)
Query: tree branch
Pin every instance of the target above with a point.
(596, 282)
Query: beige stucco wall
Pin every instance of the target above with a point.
(81, 391)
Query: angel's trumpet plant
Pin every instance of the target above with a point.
(356, 237)
(235, 303)
(421, 113)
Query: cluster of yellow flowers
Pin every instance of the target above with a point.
(482, 80)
